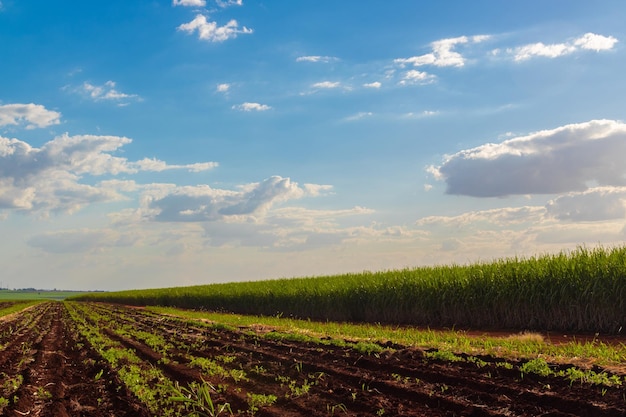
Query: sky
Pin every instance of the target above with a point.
(165, 143)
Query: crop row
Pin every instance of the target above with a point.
(270, 372)
(102, 359)
(584, 290)
(165, 374)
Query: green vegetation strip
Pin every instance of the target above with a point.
(146, 382)
(18, 306)
(32, 294)
(580, 291)
(516, 347)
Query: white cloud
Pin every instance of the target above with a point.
(443, 53)
(413, 77)
(253, 215)
(289, 229)
(316, 58)
(588, 41)
(316, 190)
(375, 84)
(327, 85)
(228, 3)
(540, 49)
(203, 203)
(421, 115)
(595, 42)
(511, 231)
(107, 91)
(223, 88)
(252, 107)
(189, 3)
(565, 159)
(359, 116)
(211, 32)
(156, 165)
(33, 115)
(49, 178)
(595, 204)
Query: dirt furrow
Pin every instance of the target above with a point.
(469, 386)
(397, 382)
(64, 377)
(314, 379)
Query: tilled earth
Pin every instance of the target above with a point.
(59, 373)
(46, 370)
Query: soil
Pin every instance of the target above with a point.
(308, 379)
(57, 370)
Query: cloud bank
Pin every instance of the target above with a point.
(570, 158)
(203, 203)
(593, 205)
(59, 175)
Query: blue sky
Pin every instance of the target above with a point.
(162, 143)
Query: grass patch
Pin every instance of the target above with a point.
(21, 295)
(519, 346)
(18, 306)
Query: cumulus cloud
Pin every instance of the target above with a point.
(105, 92)
(315, 190)
(413, 77)
(316, 58)
(595, 42)
(204, 203)
(189, 3)
(32, 115)
(211, 32)
(288, 229)
(49, 178)
(375, 84)
(252, 107)
(223, 88)
(540, 49)
(595, 204)
(588, 41)
(566, 159)
(443, 53)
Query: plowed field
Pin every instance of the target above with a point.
(50, 365)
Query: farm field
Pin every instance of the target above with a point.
(87, 359)
(583, 291)
(36, 295)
